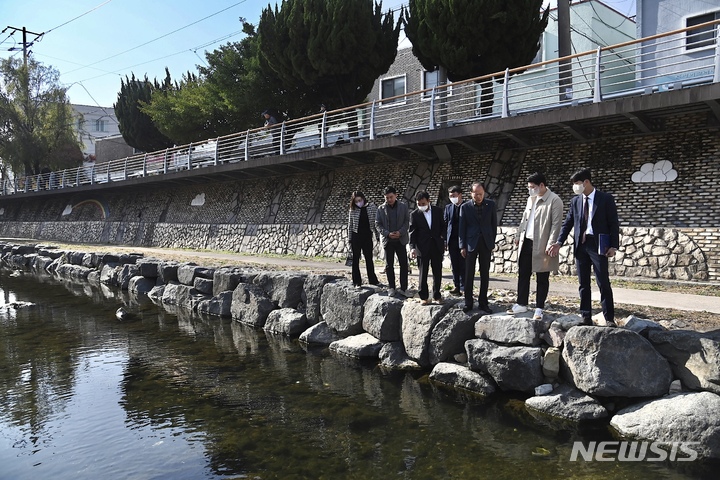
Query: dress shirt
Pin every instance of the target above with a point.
(428, 217)
(591, 201)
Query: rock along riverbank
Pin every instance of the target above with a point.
(643, 381)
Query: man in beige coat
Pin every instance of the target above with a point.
(540, 225)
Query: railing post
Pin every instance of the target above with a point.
(372, 121)
(77, 176)
(282, 138)
(247, 145)
(125, 169)
(431, 126)
(506, 94)
(144, 169)
(62, 179)
(716, 75)
(108, 172)
(597, 94)
(165, 161)
(92, 174)
(323, 137)
(215, 155)
(189, 161)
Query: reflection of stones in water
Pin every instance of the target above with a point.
(222, 333)
(245, 338)
(413, 402)
(351, 377)
(107, 291)
(279, 346)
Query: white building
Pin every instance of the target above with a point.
(92, 123)
(683, 58)
(593, 24)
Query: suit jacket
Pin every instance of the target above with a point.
(422, 236)
(447, 216)
(382, 221)
(604, 219)
(473, 229)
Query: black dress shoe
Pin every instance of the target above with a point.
(587, 321)
(455, 291)
(486, 310)
(466, 309)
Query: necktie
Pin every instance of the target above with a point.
(585, 216)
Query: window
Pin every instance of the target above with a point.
(704, 36)
(80, 124)
(100, 125)
(430, 80)
(392, 87)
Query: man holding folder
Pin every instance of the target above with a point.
(596, 231)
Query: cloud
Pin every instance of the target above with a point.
(661, 171)
(198, 201)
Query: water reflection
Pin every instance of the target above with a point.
(177, 395)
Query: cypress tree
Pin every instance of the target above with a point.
(332, 50)
(136, 127)
(472, 38)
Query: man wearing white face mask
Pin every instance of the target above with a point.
(539, 227)
(427, 244)
(594, 220)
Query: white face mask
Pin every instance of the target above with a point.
(534, 192)
(455, 200)
(423, 208)
(360, 204)
(578, 188)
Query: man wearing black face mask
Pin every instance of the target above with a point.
(594, 220)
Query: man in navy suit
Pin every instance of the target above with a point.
(592, 213)
(476, 237)
(452, 220)
(427, 244)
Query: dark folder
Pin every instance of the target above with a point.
(603, 243)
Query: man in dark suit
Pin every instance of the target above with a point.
(476, 238)
(452, 221)
(592, 213)
(427, 244)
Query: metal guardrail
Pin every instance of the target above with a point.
(678, 59)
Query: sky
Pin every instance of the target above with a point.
(96, 43)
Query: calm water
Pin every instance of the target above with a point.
(175, 396)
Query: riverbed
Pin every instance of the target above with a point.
(176, 395)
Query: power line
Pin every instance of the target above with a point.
(82, 15)
(158, 38)
(194, 49)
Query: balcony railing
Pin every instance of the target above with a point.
(678, 59)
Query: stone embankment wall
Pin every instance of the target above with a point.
(663, 182)
(648, 382)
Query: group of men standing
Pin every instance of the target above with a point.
(467, 231)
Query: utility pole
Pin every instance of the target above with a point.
(24, 40)
(564, 50)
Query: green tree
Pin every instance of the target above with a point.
(36, 119)
(472, 38)
(331, 50)
(136, 127)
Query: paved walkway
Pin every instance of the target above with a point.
(651, 298)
